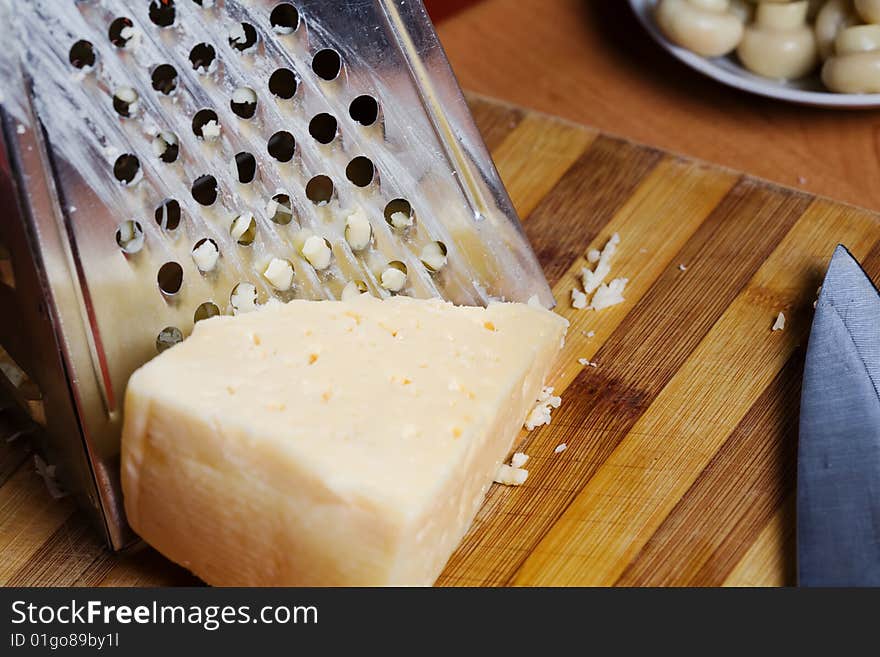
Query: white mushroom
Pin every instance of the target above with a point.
(706, 27)
(779, 44)
(855, 69)
(834, 16)
(869, 10)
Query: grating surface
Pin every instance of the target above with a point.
(247, 130)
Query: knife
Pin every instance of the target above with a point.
(838, 496)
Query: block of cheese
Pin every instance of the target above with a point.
(329, 442)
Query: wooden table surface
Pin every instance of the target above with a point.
(589, 61)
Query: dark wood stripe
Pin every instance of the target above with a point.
(72, 550)
(585, 199)
(494, 121)
(760, 456)
(603, 404)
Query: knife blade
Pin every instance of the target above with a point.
(838, 496)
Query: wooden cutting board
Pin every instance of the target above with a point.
(681, 441)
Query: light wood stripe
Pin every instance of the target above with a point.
(633, 492)
(771, 559)
(536, 145)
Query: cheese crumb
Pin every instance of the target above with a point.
(560, 448)
(280, 274)
(211, 130)
(433, 256)
(609, 295)
(393, 279)
(593, 256)
(540, 415)
(518, 460)
(353, 289)
(509, 476)
(244, 298)
(593, 279)
(400, 220)
(20, 129)
(317, 252)
(205, 256)
(591, 334)
(578, 299)
(779, 324)
(682, 267)
(358, 231)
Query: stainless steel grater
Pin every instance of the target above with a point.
(170, 160)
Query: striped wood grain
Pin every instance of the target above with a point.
(681, 442)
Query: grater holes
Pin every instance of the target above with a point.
(127, 169)
(168, 214)
(284, 18)
(130, 236)
(206, 124)
(434, 256)
(167, 338)
(166, 147)
(279, 273)
(205, 254)
(243, 298)
(164, 78)
(244, 102)
(204, 190)
(206, 310)
(353, 289)
(282, 146)
(393, 278)
(327, 64)
(399, 214)
(245, 168)
(323, 128)
(360, 171)
(170, 278)
(202, 57)
(283, 84)
(364, 110)
(243, 37)
(244, 229)
(82, 54)
(280, 209)
(125, 101)
(121, 32)
(162, 12)
(318, 251)
(319, 190)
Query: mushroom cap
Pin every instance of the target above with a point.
(855, 73)
(834, 16)
(779, 45)
(869, 10)
(860, 38)
(705, 27)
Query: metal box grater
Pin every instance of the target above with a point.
(177, 159)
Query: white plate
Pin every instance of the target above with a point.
(807, 91)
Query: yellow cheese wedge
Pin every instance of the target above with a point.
(329, 442)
